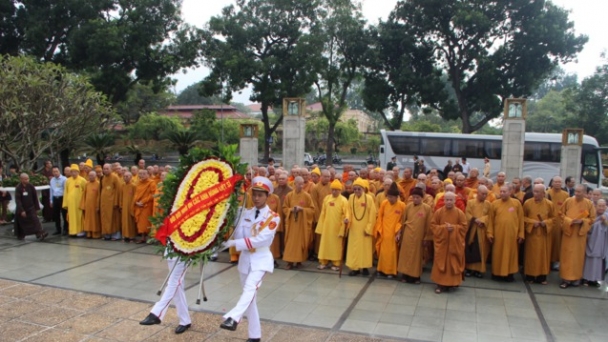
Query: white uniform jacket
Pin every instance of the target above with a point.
(253, 238)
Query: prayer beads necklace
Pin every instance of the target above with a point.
(355, 213)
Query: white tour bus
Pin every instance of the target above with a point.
(542, 152)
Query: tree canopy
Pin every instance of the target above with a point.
(118, 43)
(44, 109)
(490, 50)
(265, 44)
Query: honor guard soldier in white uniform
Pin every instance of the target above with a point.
(174, 291)
(253, 237)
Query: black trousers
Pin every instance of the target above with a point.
(59, 212)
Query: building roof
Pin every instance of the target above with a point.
(221, 111)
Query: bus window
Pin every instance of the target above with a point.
(556, 152)
(402, 145)
(493, 149)
(435, 147)
(467, 148)
(539, 152)
(590, 165)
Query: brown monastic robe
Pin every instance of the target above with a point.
(477, 210)
(144, 192)
(109, 187)
(90, 207)
(505, 225)
(26, 201)
(574, 237)
(448, 264)
(274, 204)
(558, 197)
(536, 250)
(129, 228)
(416, 229)
(298, 226)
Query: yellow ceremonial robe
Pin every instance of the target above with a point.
(558, 197)
(448, 263)
(125, 200)
(416, 229)
(477, 210)
(331, 228)
(574, 237)
(90, 206)
(318, 194)
(109, 188)
(538, 255)
(144, 193)
(380, 198)
(298, 227)
(505, 225)
(360, 229)
(72, 196)
(388, 224)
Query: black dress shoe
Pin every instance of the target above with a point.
(182, 328)
(253, 340)
(150, 320)
(353, 273)
(365, 272)
(229, 324)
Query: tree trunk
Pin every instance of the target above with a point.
(466, 123)
(267, 132)
(64, 157)
(137, 158)
(329, 150)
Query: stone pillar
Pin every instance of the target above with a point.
(572, 152)
(248, 146)
(294, 132)
(513, 134)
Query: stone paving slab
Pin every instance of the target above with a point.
(67, 289)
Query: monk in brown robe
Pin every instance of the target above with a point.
(578, 214)
(125, 200)
(501, 177)
(449, 227)
(414, 236)
(26, 210)
(318, 194)
(505, 232)
(299, 210)
(539, 213)
(90, 207)
(407, 183)
(477, 246)
(281, 190)
(109, 187)
(274, 204)
(558, 196)
(143, 204)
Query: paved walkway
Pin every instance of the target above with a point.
(89, 290)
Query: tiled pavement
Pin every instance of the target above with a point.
(75, 290)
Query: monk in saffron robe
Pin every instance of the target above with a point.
(281, 190)
(388, 225)
(426, 198)
(299, 210)
(460, 203)
(558, 196)
(501, 177)
(460, 190)
(143, 204)
(125, 200)
(109, 188)
(332, 227)
(472, 181)
(308, 184)
(407, 183)
(90, 207)
(539, 214)
(414, 236)
(362, 218)
(505, 232)
(318, 194)
(477, 245)
(578, 214)
(449, 227)
(597, 247)
(72, 196)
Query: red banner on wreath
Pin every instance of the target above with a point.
(202, 201)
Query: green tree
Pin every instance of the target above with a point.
(182, 140)
(154, 127)
(549, 114)
(490, 50)
(191, 96)
(99, 144)
(346, 133)
(45, 110)
(345, 46)
(264, 44)
(141, 100)
(589, 105)
(401, 73)
(203, 124)
(119, 43)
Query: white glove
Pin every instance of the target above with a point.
(228, 244)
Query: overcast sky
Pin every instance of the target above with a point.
(589, 17)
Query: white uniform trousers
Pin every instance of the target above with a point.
(247, 303)
(174, 291)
